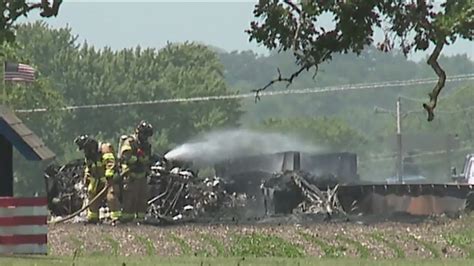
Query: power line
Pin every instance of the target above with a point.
(417, 111)
(421, 100)
(346, 87)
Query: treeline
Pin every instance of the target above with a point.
(371, 134)
(248, 70)
(71, 73)
(355, 109)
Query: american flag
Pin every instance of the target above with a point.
(19, 72)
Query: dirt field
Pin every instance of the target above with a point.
(213, 261)
(434, 238)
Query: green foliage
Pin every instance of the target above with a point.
(330, 251)
(79, 249)
(463, 240)
(77, 74)
(12, 10)
(39, 94)
(285, 25)
(259, 245)
(356, 107)
(72, 74)
(363, 251)
(398, 252)
(85, 75)
(216, 244)
(181, 261)
(427, 245)
(295, 26)
(114, 245)
(185, 247)
(147, 243)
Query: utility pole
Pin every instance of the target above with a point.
(449, 144)
(399, 143)
(399, 115)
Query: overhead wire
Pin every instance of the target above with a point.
(440, 99)
(421, 100)
(346, 87)
(315, 90)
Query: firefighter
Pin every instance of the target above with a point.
(99, 172)
(135, 158)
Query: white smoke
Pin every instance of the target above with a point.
(229, 144)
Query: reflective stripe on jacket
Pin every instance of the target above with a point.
(103, 169)
(133, 158)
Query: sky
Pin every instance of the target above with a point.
(221, 23)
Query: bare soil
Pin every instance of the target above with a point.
(430, 238)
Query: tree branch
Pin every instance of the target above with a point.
(48, 10)
(293, 6)
(297, 35)
(307, 65)
(289, 80)
(433, 62)
(298, 10)
(33, 6)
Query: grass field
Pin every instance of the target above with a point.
(241, 261)
(447, 238)
(442, 241)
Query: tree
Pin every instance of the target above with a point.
(246, 71)
(85, 75)
(410, 25)
(12, 10)
(40, 93)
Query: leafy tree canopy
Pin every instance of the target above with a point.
(79, 74)
(408, 25)
(12, 10)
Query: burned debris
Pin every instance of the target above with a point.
(264, 187)
(65, 187)
(301, 192)
(178, 194)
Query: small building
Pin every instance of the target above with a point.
(13, 133)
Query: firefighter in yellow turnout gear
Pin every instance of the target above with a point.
(135, 158)
(100, 171)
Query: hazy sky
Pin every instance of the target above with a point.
(121, 24)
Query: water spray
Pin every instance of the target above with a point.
(224, 145)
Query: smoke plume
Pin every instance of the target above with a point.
(229, 144)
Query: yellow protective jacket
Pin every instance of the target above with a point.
(135, 158)
(101, 170)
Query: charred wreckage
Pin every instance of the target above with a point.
(177, 193)
(262, 186)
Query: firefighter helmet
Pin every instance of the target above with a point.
(86, 143)
(144, 129)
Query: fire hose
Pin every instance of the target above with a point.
(69, 217)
